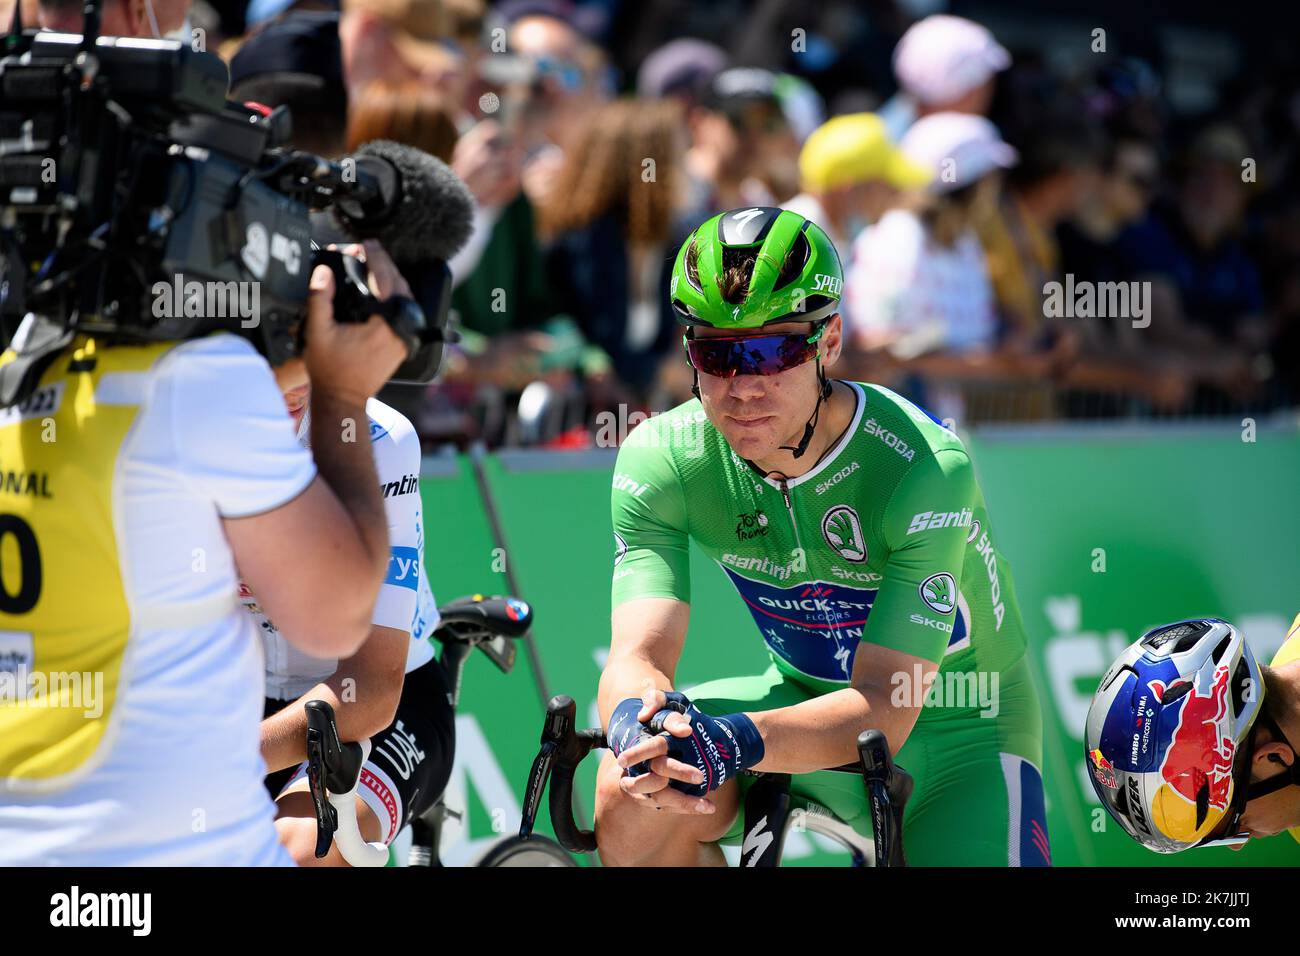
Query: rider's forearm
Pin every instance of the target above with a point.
(823, 732)
(624, 676)
(340, 444)
(364, 703)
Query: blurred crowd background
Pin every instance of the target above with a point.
(963, 158)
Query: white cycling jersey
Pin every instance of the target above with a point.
(405, 601)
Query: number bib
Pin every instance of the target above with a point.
(65, 624)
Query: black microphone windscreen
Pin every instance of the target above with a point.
(434, 215)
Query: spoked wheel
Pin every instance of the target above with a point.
(535, 851)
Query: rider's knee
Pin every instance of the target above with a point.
(632, 833)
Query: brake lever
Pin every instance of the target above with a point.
(322, 744)
(540, 773)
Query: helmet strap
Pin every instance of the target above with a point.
(823, 393)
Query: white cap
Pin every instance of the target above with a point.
(957, 149)
(944, 57)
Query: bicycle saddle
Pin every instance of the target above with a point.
(474, 616)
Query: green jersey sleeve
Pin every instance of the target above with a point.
(916, 606)
(648, 508)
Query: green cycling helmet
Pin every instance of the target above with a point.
(796, 277)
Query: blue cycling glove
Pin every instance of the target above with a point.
(720, 747)
(625, 731)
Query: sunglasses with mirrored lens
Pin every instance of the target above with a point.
(731, 355)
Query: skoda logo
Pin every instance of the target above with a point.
(939, 592)
(843, 532)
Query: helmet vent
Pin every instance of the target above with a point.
(1202, 803)
(795, 260)
(1240, 682)
(1181, 636)
(1220, 649)
(692, 263)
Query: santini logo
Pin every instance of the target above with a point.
(929, 520)
(103, 909)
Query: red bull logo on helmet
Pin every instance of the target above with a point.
(1198, 758)
(1103, 770)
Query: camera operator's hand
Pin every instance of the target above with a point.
(353, 360)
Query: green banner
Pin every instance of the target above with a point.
(1109, 532)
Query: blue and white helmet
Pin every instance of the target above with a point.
(1167, 738)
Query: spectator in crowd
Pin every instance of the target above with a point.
(851, 173)
(261, 12)
(917, 286)
(410, 113)
(1117, 358)
(414, 114)
(1206, 295)
(499, 304)
(609, 229)
(804, 111)
(297, 62)
(944, 64)
(755, 135)
(120, 18)
(1058, 164)
(738, 127)
(399, 42)
(681, 69)
(1122, 194)
(566, 77)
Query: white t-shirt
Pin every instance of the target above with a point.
(182, 782)
(405, 600)
(927, 295)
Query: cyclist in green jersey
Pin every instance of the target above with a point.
(852, 528)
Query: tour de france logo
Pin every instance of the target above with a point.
(751, 525)
(843, 532)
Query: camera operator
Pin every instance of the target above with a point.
(173, 463)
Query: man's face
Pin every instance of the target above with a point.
(291, 377)
(1132, 181)
(562, 87)
(759, 413)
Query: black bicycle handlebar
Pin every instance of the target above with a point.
(562, 750)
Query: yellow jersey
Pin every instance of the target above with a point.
(1286, 654)
(130, 678)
